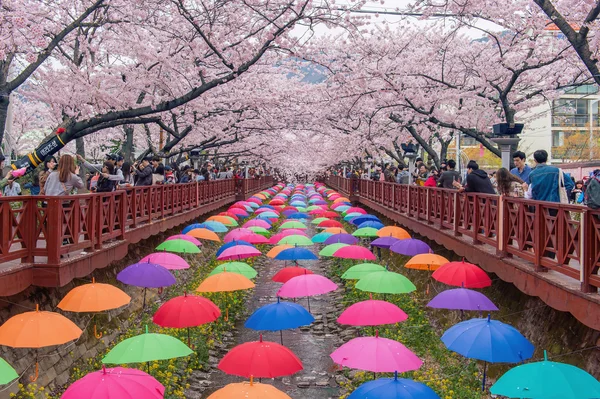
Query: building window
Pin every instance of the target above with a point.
(558, 138)
(570, 113)
(585, 89)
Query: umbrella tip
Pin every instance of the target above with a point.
(261, 338)
(489, 317)
(104, 369)
(396, 375)
(37, 307)
(93, 280)
(146, 328)
(545, 355)
(376, 333)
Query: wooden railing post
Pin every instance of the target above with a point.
(501, 226)
(123, 213)
(476, 218)
(586, 250)
(457, 212)
(539, 223)
(30, 220)
(54, 229)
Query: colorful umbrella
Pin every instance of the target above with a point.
(145, 348)
(372, 313)
(330, 249)
(260, 359)
(547, 379)
(287, 273)
(329, 223)
(371, 223)
(321, 237)
(341, 238)
(296, 240)
(167, 260)
(365, 232)
(192, 227)
(212, 225)
(393, 388)
(230, 244)
(277, 249)
(298, 215)
(363, 218)
(185, 237)
(306, 285)
(296, 254)
(293, 225)
(179, 246)
(385, 282)
(259, 230)
(359, 271)
(249, 390)
(318, 220)
(410, 247)
(204, 234)
(116, 383)
(257, 223)
(462, 299)
(7, 373)
(255, 238)
(225, 282)
(393, 231)
(462, 274)
(376, 354)
(279, 316)
(426, 262)
(335, 230)
(354, 252)
(225, 220)
(236, 267)
(239, 252)
(236, 234)
(147, 275)
(355, 209)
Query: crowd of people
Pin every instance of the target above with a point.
(542, 182)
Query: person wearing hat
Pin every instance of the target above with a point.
(117, 162)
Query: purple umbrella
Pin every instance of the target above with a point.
(320, 202)
(410, 247)
(289, 212)
(462, 299)
(341, 239)
(384, 242)
(147, 275)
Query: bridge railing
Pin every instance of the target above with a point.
(48, 227)
(561, 237)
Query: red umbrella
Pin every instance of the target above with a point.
(276, 201)
(287, 273)
(330, 223)
(331, 214)
(260, 359)
(316, 212)
(186, 311)
(354, 252)
(462, 274)
(290, 208)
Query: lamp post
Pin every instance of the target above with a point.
(410, 152)
(506, 135)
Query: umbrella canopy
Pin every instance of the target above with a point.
(462, 274)
(371, 223)
(229, 214)
(38, 329)
(145, 348)
(296, 253)
(318, 220)
(230, 244)
(393, 231)
(365, 232)
(255, 238)
(354, 252)
(350, 216)
(330, 249)
(167, 260)
(376, 354)
(287, 273)
(410, 247)
(225, 220)
(329, 223)
(7, 373)
(298, 215)
(393, 388)
(331, 214)
(225, 282)
(363, 218)
(341, 238)
(186, 311)
(306, 285)
(94, 297)
(239, 212)
(279, 316)
(426, 262)
(212, 225)
(236, 234)
(186, 238)
(293, 225)
(192, 227)
(179, 246)
(147, 275)
(385, 282)
(335, 230)
(116, 383)
(372, 313)
(355, 209)
(259, 230)
(251, 390)
(462, 299)
(239, 252)
(204, 234)
(488, 340)
(258, 223)
(296, 240)
(277, 249)
(235, 267)
(359, 271)
(384, 242)
(260, 359)
(321, 237)
(547, 379)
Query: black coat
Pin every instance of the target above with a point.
(144, 176)
(479, 182)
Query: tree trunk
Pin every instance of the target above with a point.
(80, 150)
(128, 145)
(4, 102)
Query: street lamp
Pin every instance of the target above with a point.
(410, 152)
(506, 135)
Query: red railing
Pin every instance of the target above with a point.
(560, 237)
(47, 227)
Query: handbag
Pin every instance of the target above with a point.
(562, 191)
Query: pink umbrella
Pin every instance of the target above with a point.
(235, 234)
(255, 200)
(238, 211)
(116, 383)
(257, 223)
(376, 354)
(356, 210)
(167, 260)
(185, 237)
(239, 252)
(306, 285)
(354, 252)
(372, 313)
(287, 232)
(262, 210)
(255, 239)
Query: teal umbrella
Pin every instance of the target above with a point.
(547, 380)
(351, 216)
(7, 373)
(321, 237)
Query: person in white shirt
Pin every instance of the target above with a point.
(12, 189)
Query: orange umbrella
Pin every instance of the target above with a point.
(204, 234)
(261, 196)
(426, 262)
(225, 282)
(341, 199)
(249, 390)
(226, 220)
(277, 249)
(393, 231)
(94, 297)
(36, 330)
(335, 230)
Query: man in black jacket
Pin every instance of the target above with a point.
(143, 173)
(477, 181)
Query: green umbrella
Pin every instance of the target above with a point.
(385, 282)
(365, 232)
(292, 225)
(296, 239)
(235, 267)
(313, 207)
(301, 209)
(321, 237)
(145, 348)
(180, 246)
(318, 220)
(331, 248)
(351, 216)
(259, 230)
(359, 271)
(7, 373)
(547, 380)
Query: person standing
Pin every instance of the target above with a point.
(116, 177)
(49, 166)
(477, 181)
(546, 182)
(65, 179)
(105, 184)
(143, 173)
(12, 189)
(449, 176)
(521, 169)
(509, 184)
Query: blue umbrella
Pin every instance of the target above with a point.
(212, 225)
(192, 227)
(351, 216)
(393, 388)
(372, 223)
(489, 340)
(232, 244)
(364, 218)
(298, 215)
(342, 208)
(279, 316)
(296, 254)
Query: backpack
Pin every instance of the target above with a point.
(592, 191)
